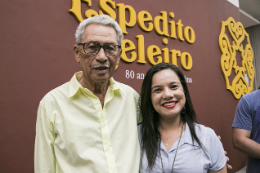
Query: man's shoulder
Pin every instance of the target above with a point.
(62, 90)
(251, 99)
(126, 89)
(252, 95)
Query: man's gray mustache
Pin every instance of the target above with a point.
(101, 66)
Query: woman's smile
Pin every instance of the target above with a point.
(170, 104)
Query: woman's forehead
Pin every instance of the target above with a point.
(166, 75)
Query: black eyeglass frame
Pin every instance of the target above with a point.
(83, 44)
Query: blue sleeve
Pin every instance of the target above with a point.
(216, 152)
(243, 119)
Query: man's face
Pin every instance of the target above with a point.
(97, 68)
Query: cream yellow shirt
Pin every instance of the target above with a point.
(75, 135)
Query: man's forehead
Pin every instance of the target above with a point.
(99, 33)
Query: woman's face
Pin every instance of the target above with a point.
(167, 95)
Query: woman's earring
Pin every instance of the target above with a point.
(183, 111)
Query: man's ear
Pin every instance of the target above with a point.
(119, 57)
(76, 53)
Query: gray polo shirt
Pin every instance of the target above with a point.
(190, 157)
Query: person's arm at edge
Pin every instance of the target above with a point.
(44, 159)
(241, 141)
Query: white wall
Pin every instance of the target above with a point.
(235, 2)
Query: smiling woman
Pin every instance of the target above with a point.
(170, 138)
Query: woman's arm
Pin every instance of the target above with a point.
(216, 153)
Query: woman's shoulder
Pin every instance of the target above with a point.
(204, 131)
(213, 147)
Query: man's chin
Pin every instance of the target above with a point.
(102, 79)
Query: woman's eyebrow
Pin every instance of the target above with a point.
(175, 82)
(156, 86)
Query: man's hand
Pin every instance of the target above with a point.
(228, 166)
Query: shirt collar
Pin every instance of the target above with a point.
(186, 138)
(75, 86)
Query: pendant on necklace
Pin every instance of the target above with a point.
(166, 144)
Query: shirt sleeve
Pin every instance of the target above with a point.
(216, 152)
(44, 158)
(243, 119)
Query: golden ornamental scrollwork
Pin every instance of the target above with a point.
(239, 86)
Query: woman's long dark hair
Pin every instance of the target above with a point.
(150, 134)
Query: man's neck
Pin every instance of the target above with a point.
(98, 89)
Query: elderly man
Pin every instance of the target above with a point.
(246, 129)
(89, 124)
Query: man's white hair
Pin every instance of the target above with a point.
(101, 20)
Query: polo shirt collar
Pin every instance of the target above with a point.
(185, 139)
(75, 86)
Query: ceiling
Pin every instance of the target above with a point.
(249, 12)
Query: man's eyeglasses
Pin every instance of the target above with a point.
(94, 48)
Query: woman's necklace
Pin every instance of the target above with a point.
(175, 152)
(169, 141)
